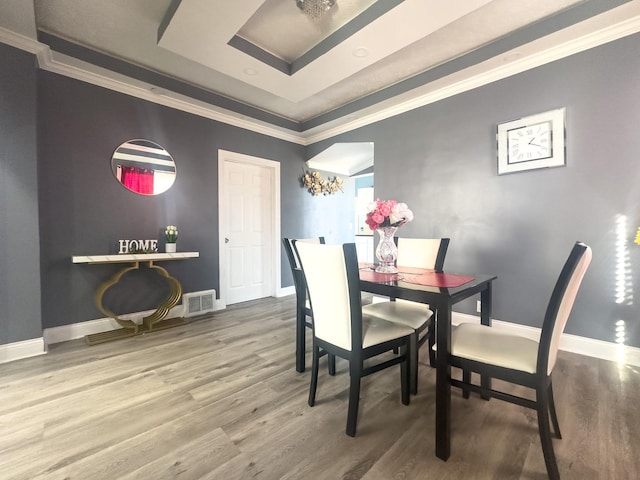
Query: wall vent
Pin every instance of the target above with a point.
(198, 303)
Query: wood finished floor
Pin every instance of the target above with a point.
(220, 399)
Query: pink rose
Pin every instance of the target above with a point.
(377, 217)
(385, 209)
(371, 222)
(388, 212)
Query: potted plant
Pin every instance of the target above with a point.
(171, 237)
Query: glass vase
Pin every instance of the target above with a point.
(387, 251)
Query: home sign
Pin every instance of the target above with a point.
(137, 246)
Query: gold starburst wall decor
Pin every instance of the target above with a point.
(317, 185)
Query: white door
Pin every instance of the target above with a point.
(248, 228)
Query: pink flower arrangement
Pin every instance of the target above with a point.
(388, 214)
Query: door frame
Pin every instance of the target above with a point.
(225, 156)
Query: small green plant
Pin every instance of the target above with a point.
(171, 234)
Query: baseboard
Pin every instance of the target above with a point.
(73, 331)
(24, 349)
(621, 354)
(286, 291)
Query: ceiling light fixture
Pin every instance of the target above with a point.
(360, 52)
(510, 57)
(316, 9)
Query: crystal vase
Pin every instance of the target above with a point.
(387, 251)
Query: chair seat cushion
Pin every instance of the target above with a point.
(376, 331)
(411, 314)
(484, 344)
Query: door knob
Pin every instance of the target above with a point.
(226, 240)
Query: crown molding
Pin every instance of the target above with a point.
(76, 69)
(22, 42)
(73, 68)
(483, 74)
(620, 22)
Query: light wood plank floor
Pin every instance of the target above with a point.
(220, 399)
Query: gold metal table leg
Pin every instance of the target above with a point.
(156, 321)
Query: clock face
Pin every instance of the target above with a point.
(531, 142)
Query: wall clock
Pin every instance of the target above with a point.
(535, 141)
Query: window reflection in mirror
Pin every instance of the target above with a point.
(143, 167)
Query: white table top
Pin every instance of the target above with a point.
(133, 257)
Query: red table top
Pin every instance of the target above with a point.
(419, 276)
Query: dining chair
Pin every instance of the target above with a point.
(522, 361)
(304, 315)
(340, 327)
(420, 253)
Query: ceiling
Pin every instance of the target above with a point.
(265, 62)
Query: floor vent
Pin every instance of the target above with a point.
(198, 303)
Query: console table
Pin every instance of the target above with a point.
(157, 320)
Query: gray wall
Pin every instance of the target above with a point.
(441, 161)
(19, 237)
(84, 210)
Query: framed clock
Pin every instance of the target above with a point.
(536, 141)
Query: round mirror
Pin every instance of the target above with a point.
(143, 167)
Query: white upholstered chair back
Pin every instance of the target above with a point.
(326, 274)
(302, 240)
(566, 304)
(418, 252)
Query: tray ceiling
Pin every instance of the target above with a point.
(266, 61)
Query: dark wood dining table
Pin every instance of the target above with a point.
(441, 291)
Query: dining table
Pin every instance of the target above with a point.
(441, 291)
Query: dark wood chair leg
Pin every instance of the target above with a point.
(314, 375)
(412, 355)
(355, 371)
(485, 382)
(466, 378)
(300, 340)
(405, 379)
(545, 433)
(552, 411)
(332, 364)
